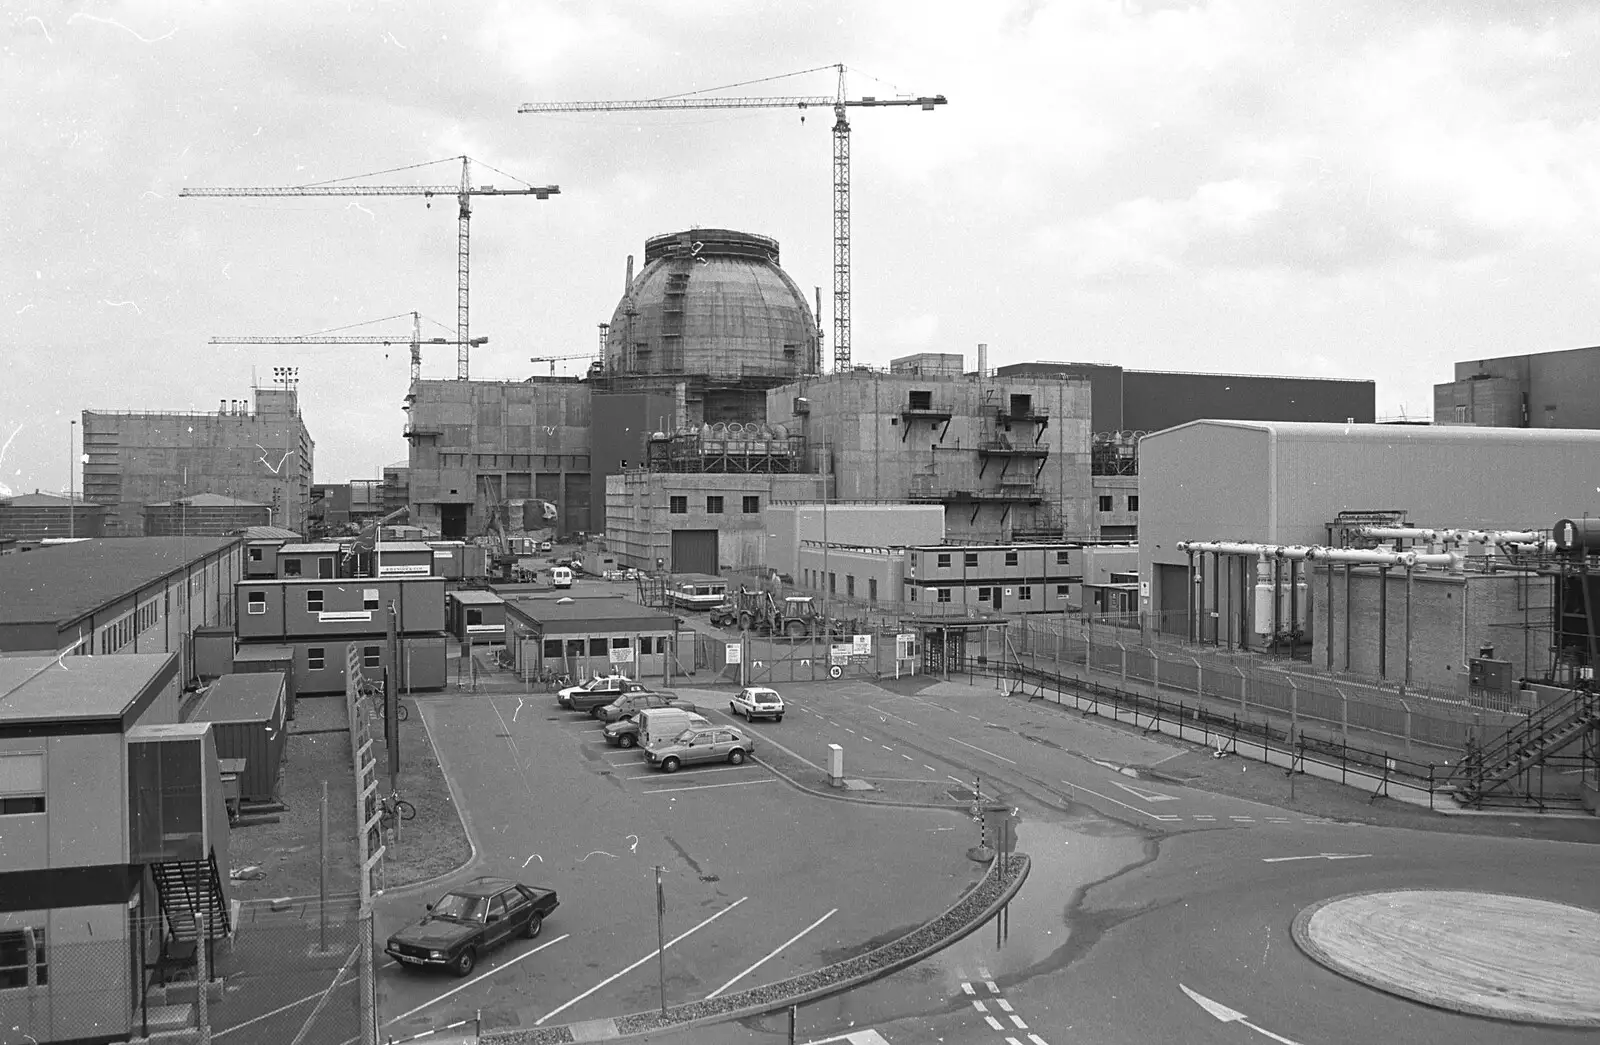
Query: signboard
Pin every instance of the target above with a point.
(861, 645)
(622, 654)
(733, 654)
(421, 569)
(485, 629)
(839, 653)
(335, 616)
(905, 646)
(1144, 589)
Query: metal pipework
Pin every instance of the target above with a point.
(1448, 536)
(1317, 553)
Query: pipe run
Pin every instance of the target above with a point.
(1449, 536)
(1317, 553)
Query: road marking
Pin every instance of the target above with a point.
(475, 979)
(991, 754)
(1005, 1006)
(857, 1037)
(886, 747)
(1227, 1015)
(281, 1008)
(707, 787)
(1017, 1022)
(635, 965)
(1145, 793)
(656, 774)
(994, 1023)
(1314, 856)
(966, 988)
(831, 722)
(993, 988)
(908, 758)
(1243, 819)
(980, 1006)
(1166, 819)
(929, 768)
(1277, 820)
(1037, 1040)
(866, 738)
(774, 952)
(983, 974)
(1207, 817)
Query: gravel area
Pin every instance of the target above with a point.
(971, 911)
(435, 843)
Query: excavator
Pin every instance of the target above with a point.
(767, 611)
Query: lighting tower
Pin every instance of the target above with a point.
(463, 193)
(841, 164)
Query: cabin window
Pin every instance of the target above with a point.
(256, 602)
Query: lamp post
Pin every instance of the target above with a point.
(72, 447)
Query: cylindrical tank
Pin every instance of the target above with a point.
(1577, 536)
(1263, 597)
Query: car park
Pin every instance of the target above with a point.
(661, 724)
(624, 732)
(597, 692)
(470, 921)
(757, 702)
(701, 744)
(629, 703)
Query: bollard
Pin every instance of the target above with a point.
(835, 765)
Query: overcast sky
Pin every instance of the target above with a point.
(1367, 190)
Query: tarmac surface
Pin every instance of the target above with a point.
(1487, 954)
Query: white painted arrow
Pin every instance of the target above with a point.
(1315, 856)
(1227, 1015)
(1148, 796)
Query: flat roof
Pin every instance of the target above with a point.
(408, 546)
(269, 533)
(585, 611)
(248, 697)
(1395, 434)
(697, 578)
(307, 549)
(38, 690)
(474, 597)
(66, 582)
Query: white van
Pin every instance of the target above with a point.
(661, 724)
(561, 576)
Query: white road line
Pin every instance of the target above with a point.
(1017, 1021)
(1005, 1006)
(975, 747)
(886, 747)
(1163, 817)
(1037, 1040)
(983, 974)
(1012, 1041)
(772, 954)
(980, 1006)
(1277, 820)
(1249, 818)
(1204, 816)
(707, 787)
(908, 758)
(866, 739)
(281, 1008)
(475, 979)
(994, 1023)
(635, 965)
(656, 774)
(993, 989)
(929, 768)
(831, 722)
(966, 988)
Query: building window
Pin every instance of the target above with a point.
(850, 585)
(21, 784)
(920, 400)
(713, 505)
(944, 560)
(970, 559)
(872, 589)
(1133, 502)
(1061, 558)
(369, 598)
(1105, 502)
(255, 554)
(1011, 558)
(833, 583)
(1025, 592)
(256, 602)
(1063, 591)
(619, 643)
(598, 647)
(474, 616)
(752, 504)
(316, 658)
(913, 594)
(984, 594)
(552, 648)
(944, 594)
(679, 506)
(22, 950)
(291, 567)
(313, 600)
(371, 656)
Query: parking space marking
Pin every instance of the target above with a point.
(929, 768)
(886, 747)
(616, 976)
(656, 774)
(281, 1008)
(775, 951)
(994, 1023)
(975, 747)
(908, 758)
(475, 979)
(980, 1006)
(707, 787)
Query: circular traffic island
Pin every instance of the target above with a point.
(1486, 954)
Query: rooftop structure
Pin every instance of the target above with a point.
(1540, 390)
(39, 516)
(95, 694)
(204, 515)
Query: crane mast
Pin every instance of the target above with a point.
(841, 166)
(463, 193)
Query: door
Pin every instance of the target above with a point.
(694, 551)
(453, 521)
(499, 927)
(998, 600)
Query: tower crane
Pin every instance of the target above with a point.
(553, 360)
(416, 341)
(463, 193)
(841, 165)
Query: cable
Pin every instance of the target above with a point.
(746, 83)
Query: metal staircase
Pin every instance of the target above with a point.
(188, 889)
(1486, 770)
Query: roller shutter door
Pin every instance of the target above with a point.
(694, 551)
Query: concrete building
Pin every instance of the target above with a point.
(1294, 484)
(861, 526)
(129, 595)
(102, 812)
(396, 488)
(1539, 390)
(697, 523)
(204, 515)
(262, 454)
(37, 516)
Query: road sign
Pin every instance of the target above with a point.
(732, 656)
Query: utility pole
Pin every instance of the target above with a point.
(661, 939)
(72, 446)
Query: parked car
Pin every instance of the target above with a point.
(545, 546)
(629, 703)
(701, 744)
(470, 921)
(597, 692)
(624, 732)
(757, 701)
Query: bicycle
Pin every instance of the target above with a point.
(391, 809)
(373, 692)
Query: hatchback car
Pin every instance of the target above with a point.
(757, 702)
(701, 744)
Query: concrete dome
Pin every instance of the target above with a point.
(713, 302)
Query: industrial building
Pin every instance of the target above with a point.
(338, 508)
(583, 637)
(105, 596)
(43, 516)
(1242, 485)
(204, 515)
(1540, 390)
(261, 453)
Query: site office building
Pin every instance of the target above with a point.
(319, 618)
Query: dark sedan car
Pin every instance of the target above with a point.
(470, 921)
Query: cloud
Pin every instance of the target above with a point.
(914, 331)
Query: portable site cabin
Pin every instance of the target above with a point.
(480, 615)
(213, 651)
(246, 713)
(252, 658)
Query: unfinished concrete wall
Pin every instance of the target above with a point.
(870, 429)
(643, 508)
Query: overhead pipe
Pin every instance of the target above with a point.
(1449, 536)
(1318, 553)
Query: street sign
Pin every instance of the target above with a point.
(732, 655)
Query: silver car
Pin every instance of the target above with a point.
(701, 744)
